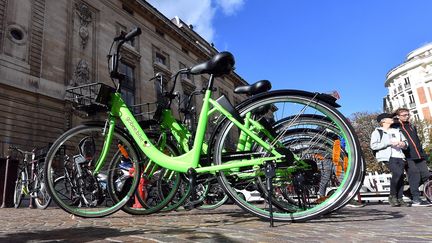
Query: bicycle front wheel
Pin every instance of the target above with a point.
(69, 171)
(19, 186)
(42, 199)
(302, 125)
(157, 185)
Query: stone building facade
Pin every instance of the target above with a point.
(49, 45)
(410, 84)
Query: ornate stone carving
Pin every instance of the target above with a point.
(82, 73)
(85, 18)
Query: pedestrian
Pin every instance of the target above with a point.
(332, 172)
(388, 144)
(417, 169)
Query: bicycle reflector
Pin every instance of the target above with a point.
(87, 148)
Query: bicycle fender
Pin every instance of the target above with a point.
(330, 100)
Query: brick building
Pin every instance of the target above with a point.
(49, 45)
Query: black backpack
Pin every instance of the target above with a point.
(374, 151)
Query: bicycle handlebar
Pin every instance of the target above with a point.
(132, 34)
(23, 152)
(121, 39)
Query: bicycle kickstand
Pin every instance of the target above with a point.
(269, 174)
(194, 200)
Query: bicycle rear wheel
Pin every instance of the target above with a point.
(296, 185)
(69, 171)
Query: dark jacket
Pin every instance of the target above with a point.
(414, 150)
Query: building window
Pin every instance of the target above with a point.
(399, 88)
(411, 97)
(403, 100)
(416, 115)
(187, 91)
(407, 83)
(160, 57)
(128, 85)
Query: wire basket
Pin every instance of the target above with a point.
(89, 98)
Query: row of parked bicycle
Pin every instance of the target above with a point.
(273, 143)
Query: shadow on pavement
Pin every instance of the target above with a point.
(88, 234)
(359, 215)
(84, 234)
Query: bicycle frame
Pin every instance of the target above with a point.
(191, 158)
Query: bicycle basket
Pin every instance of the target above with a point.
(89, 98)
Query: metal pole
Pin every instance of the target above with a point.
(5, 183)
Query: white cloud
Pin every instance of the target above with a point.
(230, 7)
(197, 13)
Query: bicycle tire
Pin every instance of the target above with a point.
(427, 190)
(313, 120)
(160, 185)
(301, 104)
(18, 193)
(43, 198)
(181, 196)
(63, 160)
(215, 197)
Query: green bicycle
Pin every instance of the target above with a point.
(262, 156)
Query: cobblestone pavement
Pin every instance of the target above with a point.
(373, 223)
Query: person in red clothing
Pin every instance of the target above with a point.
(416, 158)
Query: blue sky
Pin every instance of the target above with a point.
(348, 46)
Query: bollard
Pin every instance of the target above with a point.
(8, 175)
(5, 183)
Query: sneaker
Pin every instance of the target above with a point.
(393, 201)
(420, 203)
(402, 203)
(355, 204)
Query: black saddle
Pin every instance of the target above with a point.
(222, 63)
(253, 89)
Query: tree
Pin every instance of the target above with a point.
(364, 124)
(424, 130)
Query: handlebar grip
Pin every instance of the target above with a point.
(132, 34)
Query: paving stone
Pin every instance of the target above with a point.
(375, 222)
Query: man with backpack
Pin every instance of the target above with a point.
(387, 144)
(417, 168)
